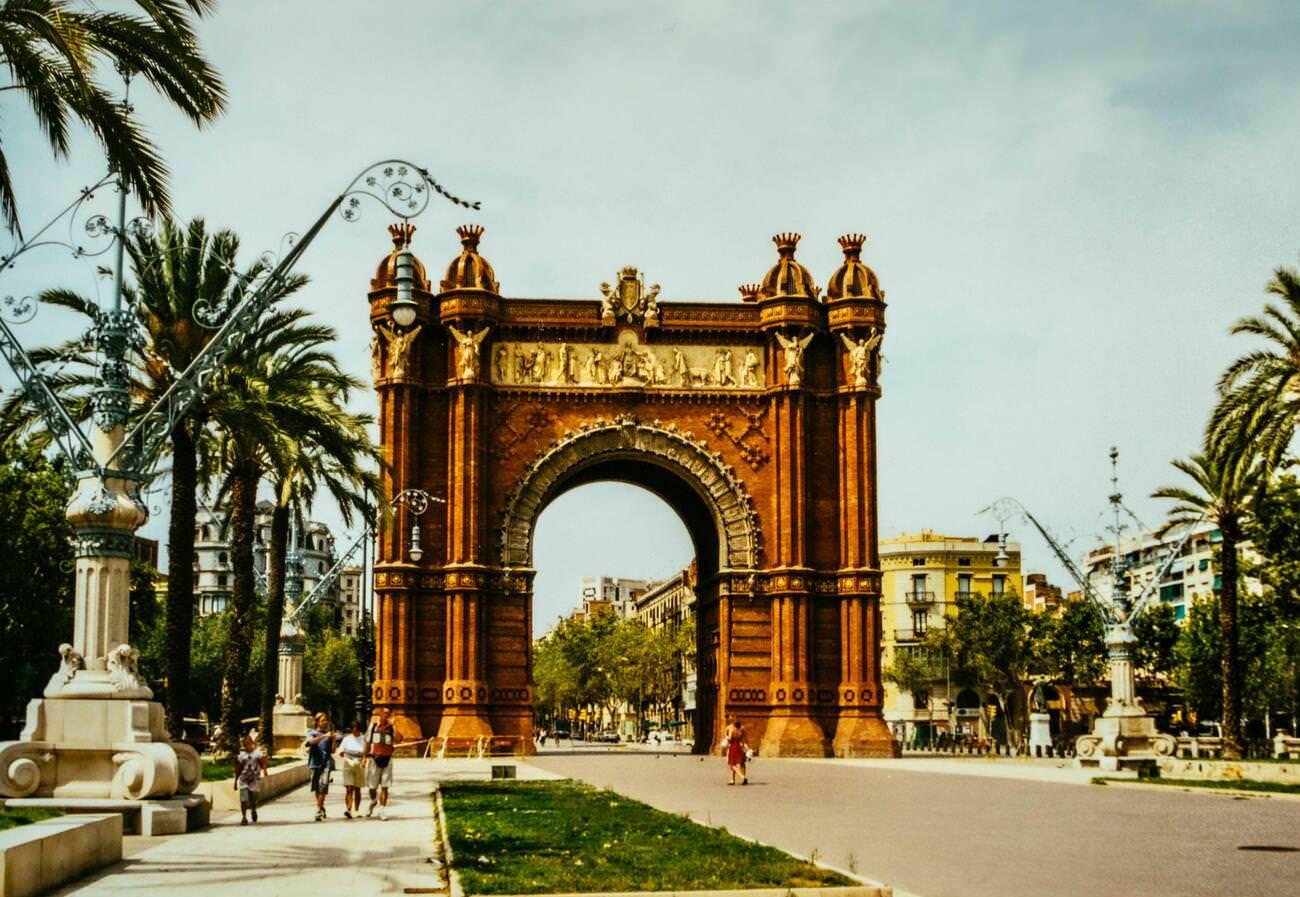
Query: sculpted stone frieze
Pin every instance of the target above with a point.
(627, 363)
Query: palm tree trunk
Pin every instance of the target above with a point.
(1231, 657)
(243, 507)
(274, 616)
(179, 620)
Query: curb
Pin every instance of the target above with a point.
(450, 878)
(1192, 789)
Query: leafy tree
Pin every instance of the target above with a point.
(331, 671)
(1072, 644)
(56, 53)
(1156, 631)
(913, 672)
(1225, 485)
(992, 641)
(36, 582)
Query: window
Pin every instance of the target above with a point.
(918, 583)
(221, 579)
(920, 621)
(963, 562)
(1203, 565)
(921, 698)
(223, 559)
(963, 583)
(1180, 612)
(1169, 593)
(918, 562)
(999, 584)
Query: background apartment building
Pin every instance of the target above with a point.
(1191, 576)
(618, 595)
(311, 554)
(923, 575)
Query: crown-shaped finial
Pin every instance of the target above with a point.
(401, 234)
(852, 244)
(749, 291)
(786, 243)
(469, 235)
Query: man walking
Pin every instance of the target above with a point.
(379, 761)
(320, 760)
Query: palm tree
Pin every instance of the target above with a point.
(1259, 405)
(281, 380)
(54, 50)
(333, 456)
(1226, 485)
(176, 272)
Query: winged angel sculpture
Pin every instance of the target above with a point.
(467, 352)
(794, 347)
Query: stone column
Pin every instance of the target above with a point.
(860, 730)
(792, 731)
(290, 721)
(397, 385)
(465, 688)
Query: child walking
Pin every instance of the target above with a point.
(250, 766)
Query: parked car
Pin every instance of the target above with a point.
(562, 731)
(609, 736)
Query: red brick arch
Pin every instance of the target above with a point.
(751, 419)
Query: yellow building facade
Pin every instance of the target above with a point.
(923, 575)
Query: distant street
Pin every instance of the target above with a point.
(938, 835)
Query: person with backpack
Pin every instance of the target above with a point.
(380, 738)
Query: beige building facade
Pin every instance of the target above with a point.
(924, 574)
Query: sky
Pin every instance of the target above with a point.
(1067, 205)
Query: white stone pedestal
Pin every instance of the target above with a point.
(1124, 737)
(1040, 734)
(96, 748)
(289, 726)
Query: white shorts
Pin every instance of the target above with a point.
(379, 778)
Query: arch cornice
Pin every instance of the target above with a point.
(724, 494)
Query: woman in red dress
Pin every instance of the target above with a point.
(736, 752)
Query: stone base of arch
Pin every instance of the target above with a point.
(863, 736)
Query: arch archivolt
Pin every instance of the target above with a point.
(655, 442)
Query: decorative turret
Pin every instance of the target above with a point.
(788, 278)
(386, 273)
(853, 280)
(749, 292)
(469, 270)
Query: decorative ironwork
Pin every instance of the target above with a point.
(17, 309)
(211, 314)
(146, 439)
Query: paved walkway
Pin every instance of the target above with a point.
(287, 854)
(938, 834)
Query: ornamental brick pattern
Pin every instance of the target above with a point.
(746, 417)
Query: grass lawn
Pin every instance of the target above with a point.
(1243, 785)
(225, 769)
(25, 816)
(539, 837)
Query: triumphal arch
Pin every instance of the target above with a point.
(755, 420)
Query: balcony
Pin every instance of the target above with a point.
(915, 597)
(908, 635)
(959, 595)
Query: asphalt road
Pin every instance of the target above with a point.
(937, 835)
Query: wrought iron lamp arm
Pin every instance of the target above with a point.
(416, 499)
(1142, 600)
(403, 188)
(72, 442)
(1107, 612)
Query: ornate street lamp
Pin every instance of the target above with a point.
(112, 727)
(1125, 734)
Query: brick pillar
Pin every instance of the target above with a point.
(465, 689)
(792, 730)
